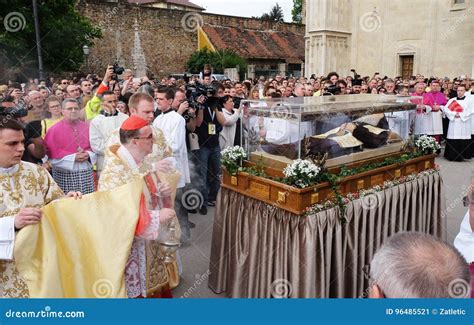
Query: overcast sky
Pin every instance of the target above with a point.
(245, 8)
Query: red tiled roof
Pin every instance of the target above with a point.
(256, 44)
(185, 3)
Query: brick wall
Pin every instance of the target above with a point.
(167, 43)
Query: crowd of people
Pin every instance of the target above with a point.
(78, 128)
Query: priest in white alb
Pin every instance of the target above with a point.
(458, 141)
(173, 126)
(24, 189)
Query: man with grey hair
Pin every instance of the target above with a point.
(68, 147)
(36, 105)
(299, 90)
(417, 265)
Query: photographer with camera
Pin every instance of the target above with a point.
(16, 92)
(93, 106)
(209, 124)
(181, 106)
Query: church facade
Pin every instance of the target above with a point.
(394, 38)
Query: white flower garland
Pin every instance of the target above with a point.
(301, 173)
(233, 153)
(231, 159)
(427, 144)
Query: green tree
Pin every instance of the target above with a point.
(297, 11)
(63, 33)
(275, 14)
(219, 60)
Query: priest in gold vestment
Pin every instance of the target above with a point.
(146, 274)
(24, 189)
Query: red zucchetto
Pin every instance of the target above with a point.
(134, 123)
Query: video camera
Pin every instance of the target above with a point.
(194, 91)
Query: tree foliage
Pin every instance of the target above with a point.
(297, 11)
(63, 33)
(275, 14)
(219, 60)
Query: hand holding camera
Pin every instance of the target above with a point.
(108, 74)
(117, 70)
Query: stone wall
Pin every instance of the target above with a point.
(167, 37)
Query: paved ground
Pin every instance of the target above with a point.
(195, 257)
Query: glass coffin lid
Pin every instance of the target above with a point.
(339, 129)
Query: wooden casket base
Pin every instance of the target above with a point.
(297, 200)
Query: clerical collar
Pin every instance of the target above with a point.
(168, 111)
(461, 98)
(107, 114)
(9, 170)
(127, 157)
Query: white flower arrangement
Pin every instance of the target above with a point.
(231, 158)
(427, 144)
(301, 173)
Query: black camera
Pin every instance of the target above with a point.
(332, 90)
(237, 101)
(193, 92)
(15, 111)
(117, 70)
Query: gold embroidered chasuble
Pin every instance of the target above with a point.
(146, 274)
(31, 186)
(161, 149)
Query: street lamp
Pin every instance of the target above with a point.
(86, 50)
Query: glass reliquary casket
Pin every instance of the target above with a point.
(332, 131)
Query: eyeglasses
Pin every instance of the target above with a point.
(72, 109)
(145, 138)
